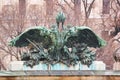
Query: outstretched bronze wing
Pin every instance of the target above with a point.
(39, 35)
(83, 35)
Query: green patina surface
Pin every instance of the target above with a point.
(52, 46)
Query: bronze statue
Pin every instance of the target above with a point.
(52, 46)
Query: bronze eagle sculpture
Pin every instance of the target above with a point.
(67, 46)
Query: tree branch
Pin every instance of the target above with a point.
(2, 65)
(68, 4)
(90, 7)
(63, 8)
(118, 2)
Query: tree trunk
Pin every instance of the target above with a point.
(106, 6)
(22, 7)
(77, 10)
(49, 11)
(87, 9)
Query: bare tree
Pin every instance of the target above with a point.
(115, 16)
(10, 26)
(22, 7)
(111, 22)
(87, 9)
(49, 11)
(106, 7)
(118, 2)
(72, 11)
(34, 15)
(77, 10)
